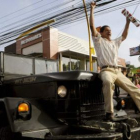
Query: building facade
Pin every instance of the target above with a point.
(72, 53)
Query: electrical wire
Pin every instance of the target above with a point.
(36, 19)
(35, 15)
(136, 8)
(20, 9)
(65, 16)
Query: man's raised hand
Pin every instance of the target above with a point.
(93, 5)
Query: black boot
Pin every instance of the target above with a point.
(110, 117)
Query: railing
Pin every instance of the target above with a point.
(14, 65)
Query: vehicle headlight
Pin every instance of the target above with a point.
(62, 91)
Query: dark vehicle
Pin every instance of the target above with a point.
(62, 105)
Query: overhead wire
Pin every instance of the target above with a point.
(35, 15)
(41, 21)
(22, 20)
(96, 14)
(55, 13)
(20, 9)
(64, 18)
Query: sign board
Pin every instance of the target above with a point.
(135, 51)
(31, 39)
(121, 62)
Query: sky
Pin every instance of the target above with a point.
(10, 11)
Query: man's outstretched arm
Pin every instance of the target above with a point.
(92, 26)
(125, 32)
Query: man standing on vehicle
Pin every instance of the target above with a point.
(107, 55)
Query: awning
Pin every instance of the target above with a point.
(74, 53)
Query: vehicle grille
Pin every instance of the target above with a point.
(84, 101)
(92, 101)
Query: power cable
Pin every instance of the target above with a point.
(32, 16)
(136, 8)
(60, 13)
(60, 23)
(20, 9)
(48, 10)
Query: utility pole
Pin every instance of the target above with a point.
(89, 36)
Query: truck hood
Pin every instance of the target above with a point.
(57, 76)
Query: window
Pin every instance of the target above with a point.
(66, 63)
(94, 66)
(70, 64)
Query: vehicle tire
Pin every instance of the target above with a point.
(7, 134)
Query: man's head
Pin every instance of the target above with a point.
(105, 32)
